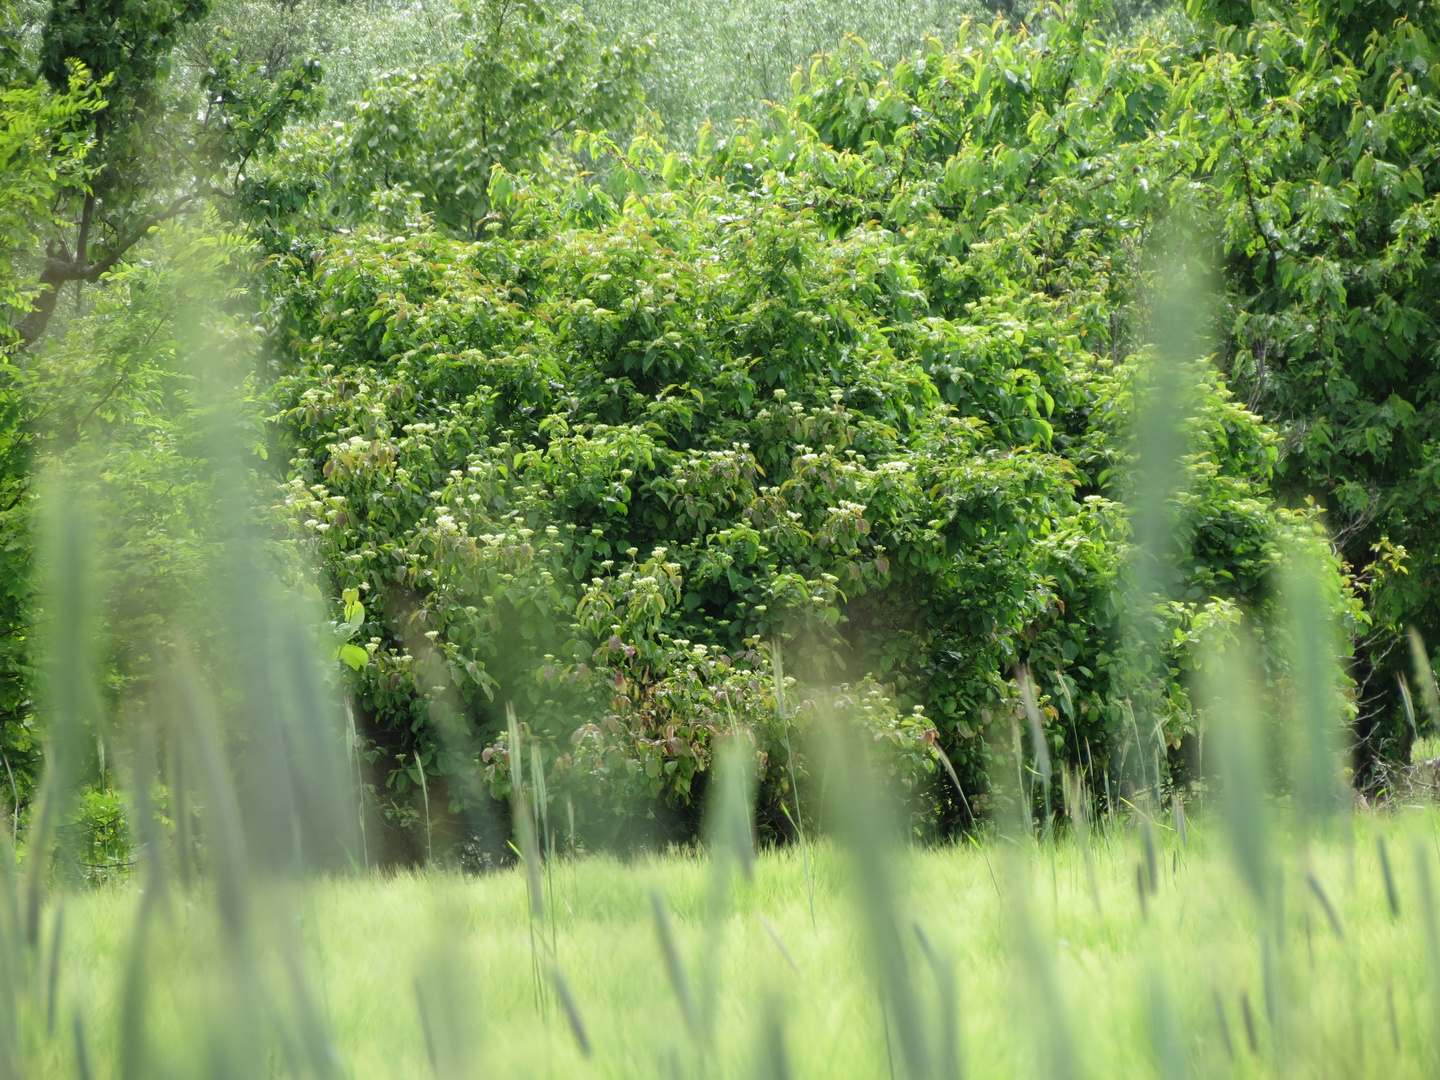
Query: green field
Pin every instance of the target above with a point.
(1139, 994)
(719, 538)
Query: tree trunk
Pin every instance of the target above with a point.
(56, 273)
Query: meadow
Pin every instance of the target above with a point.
(431, 431)
(419, 974)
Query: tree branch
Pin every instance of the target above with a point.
(1250, 195)
(61, 268)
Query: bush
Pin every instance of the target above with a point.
(859, 380)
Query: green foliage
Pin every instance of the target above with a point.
(40, 155)
(90, 166)
(771, 536)
(1306, 170)
(126, 45)
(355, 42)
(99, 837)
(652, 748)
(1048, 161)
(566, 404)
(858, 379)
(114, 406)
(120, 410)
(525, 81)
(428, 142)
(157, 150)
(721, 62)
(1330, 242)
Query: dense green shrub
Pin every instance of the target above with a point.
(591, 422)
(857, 380)
(1296, 149)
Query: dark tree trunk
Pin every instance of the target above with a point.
(56, 273)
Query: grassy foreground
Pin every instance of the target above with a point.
(1050, 983)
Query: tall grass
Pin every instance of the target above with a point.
(368, 940)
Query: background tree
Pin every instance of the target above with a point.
(1296, 148)
(1330, 322)
(154, 154)
(43, 153)
(857, 375)
(526, 81)
(97, 150)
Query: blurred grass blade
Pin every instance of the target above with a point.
(779, 944)
(1330, 914)
(773, 1060)
(728, 830)
(674, 965)
(427, 1029)
(1160, 440)
(1044, 999)
(1021, 819)
(352, 746)
(237, 1042)
(458, 736)
(1230, 707)
(12, 963)
(778, 667)
(524, 823)
(68, 686)
(947, 1000)
(1247, 1014)
(1224, 1024)
(224, 832)
(546, 842)
(1076, 805)
(52, 969)
(305, 1015)
(1159, 444)
(527, 847)
(572, 1011)
(134, 1000)
(82, 1049)
(425, 802)
(1431, 924)
(1420, 660)
(1392, 895)
(142, 777)
(949, 766)
(1039, 746)
(1152, 862)
(729, 815)
(447, 1002)
(1165, 1040)
(1274, 1001)
(1408, 704)
(541, 797)
(863, 824)
(1314, 660)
